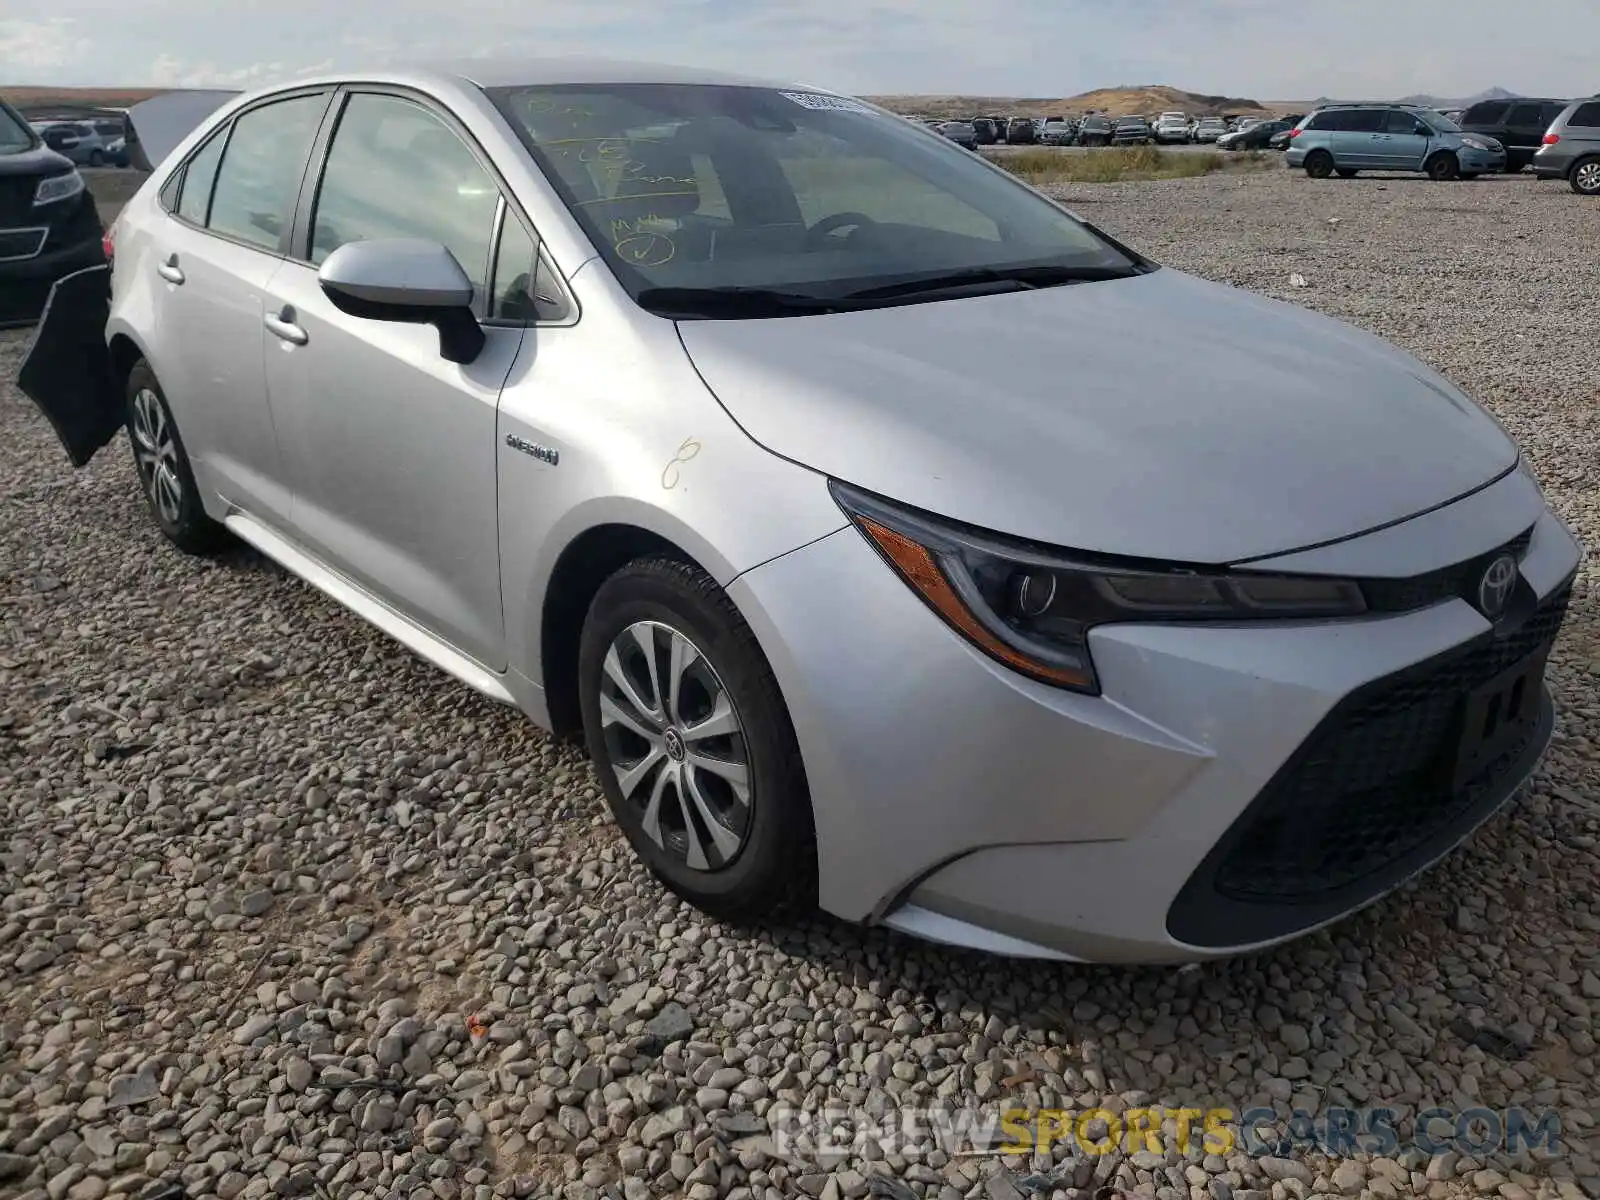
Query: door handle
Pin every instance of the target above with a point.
(169, 270)
(283, 325)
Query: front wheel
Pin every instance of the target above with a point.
(1443, 167)
(692, 742)
(163, 466)
(1585, 177)
(1319, 164)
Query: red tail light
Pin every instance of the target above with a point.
(1550, 139)
(108, 242)
(1294, 133)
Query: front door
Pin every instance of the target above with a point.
(391, 448)
(1402, 143)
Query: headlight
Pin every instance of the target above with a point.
(58, 187)
(1478, 143)
(1032, 608)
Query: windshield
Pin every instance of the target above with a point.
(696, 188)
(15, 136)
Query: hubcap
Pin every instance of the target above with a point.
(157, 455)
(676, 745)
(1589, 177)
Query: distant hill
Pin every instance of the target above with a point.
(1123, 101)
(1427, 101)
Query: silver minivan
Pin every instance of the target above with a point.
(648, 401)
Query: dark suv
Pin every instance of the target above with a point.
(48, 223)
(1022, 132)
(1518, 125)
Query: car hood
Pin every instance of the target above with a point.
(41, 160)
(1247, 428)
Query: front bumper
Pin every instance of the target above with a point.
(959, 801)
(73, 243)
(1481, 161)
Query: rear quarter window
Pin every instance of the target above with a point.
(1585, 116)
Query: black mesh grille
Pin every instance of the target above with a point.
(1373, 783)
(1448, 583)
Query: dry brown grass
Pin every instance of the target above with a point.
(38, 97)
(1117, 164)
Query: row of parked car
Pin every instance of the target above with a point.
(1096, 129)
(1559, 139)
(100, 142)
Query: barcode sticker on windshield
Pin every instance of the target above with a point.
(817, 100)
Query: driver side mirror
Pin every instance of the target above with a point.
(409, 281)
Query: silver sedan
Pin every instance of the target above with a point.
(646, 400)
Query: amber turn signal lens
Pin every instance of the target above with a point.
(917, 566)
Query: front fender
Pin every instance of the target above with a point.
(607, 423)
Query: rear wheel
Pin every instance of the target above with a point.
(1585, 177)
(1347, 172)
(163, 467)
(692, 742)
(1443, 166)
(1319, 164)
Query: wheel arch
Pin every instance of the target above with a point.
(584, 563)
(124, 352)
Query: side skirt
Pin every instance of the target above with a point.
(367, 606)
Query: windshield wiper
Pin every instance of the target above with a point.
(713, 302)
(1019, 279)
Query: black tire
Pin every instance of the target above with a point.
(1443, 167)
(776, 862)
(1319, 164)
(1584, 177)
(184, 521)
(96, 159)
(1347, 172)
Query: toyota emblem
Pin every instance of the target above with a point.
(1494, 589)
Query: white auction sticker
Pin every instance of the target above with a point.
(819, 101)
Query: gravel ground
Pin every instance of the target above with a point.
(258, 854)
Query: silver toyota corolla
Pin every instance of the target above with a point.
(793, 456)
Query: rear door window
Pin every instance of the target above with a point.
(1488, 112)
(1526, 116)
(262, 168)
(1365, 120)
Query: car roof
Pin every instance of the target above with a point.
(534, 71)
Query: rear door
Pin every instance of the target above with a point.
(213, 253)
(1352, 135)
(392, 446)
(1525, 126)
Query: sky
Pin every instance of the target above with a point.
(1261, 49)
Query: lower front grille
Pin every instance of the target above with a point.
(1371, 796)
(1372, 783)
